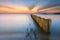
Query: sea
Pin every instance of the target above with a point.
(17, 26)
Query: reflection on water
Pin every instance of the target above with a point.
(15, 22)
(44, 36)
(14, 27)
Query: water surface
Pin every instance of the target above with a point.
(14, 26)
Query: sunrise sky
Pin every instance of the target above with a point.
(29, 6)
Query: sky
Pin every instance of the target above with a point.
(29, 6)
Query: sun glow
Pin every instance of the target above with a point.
(22, 9)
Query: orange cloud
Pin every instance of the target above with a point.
(2, 6)
(51, 10)
(14, 9)
(23, 9)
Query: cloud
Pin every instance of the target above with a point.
(51, 9)
(13, 9)
(6, 7)
(52, 3)
(31, 4)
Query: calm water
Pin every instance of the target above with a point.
(14, 26)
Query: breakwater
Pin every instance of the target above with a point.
(43, 24)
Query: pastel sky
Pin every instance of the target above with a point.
(29, 6)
